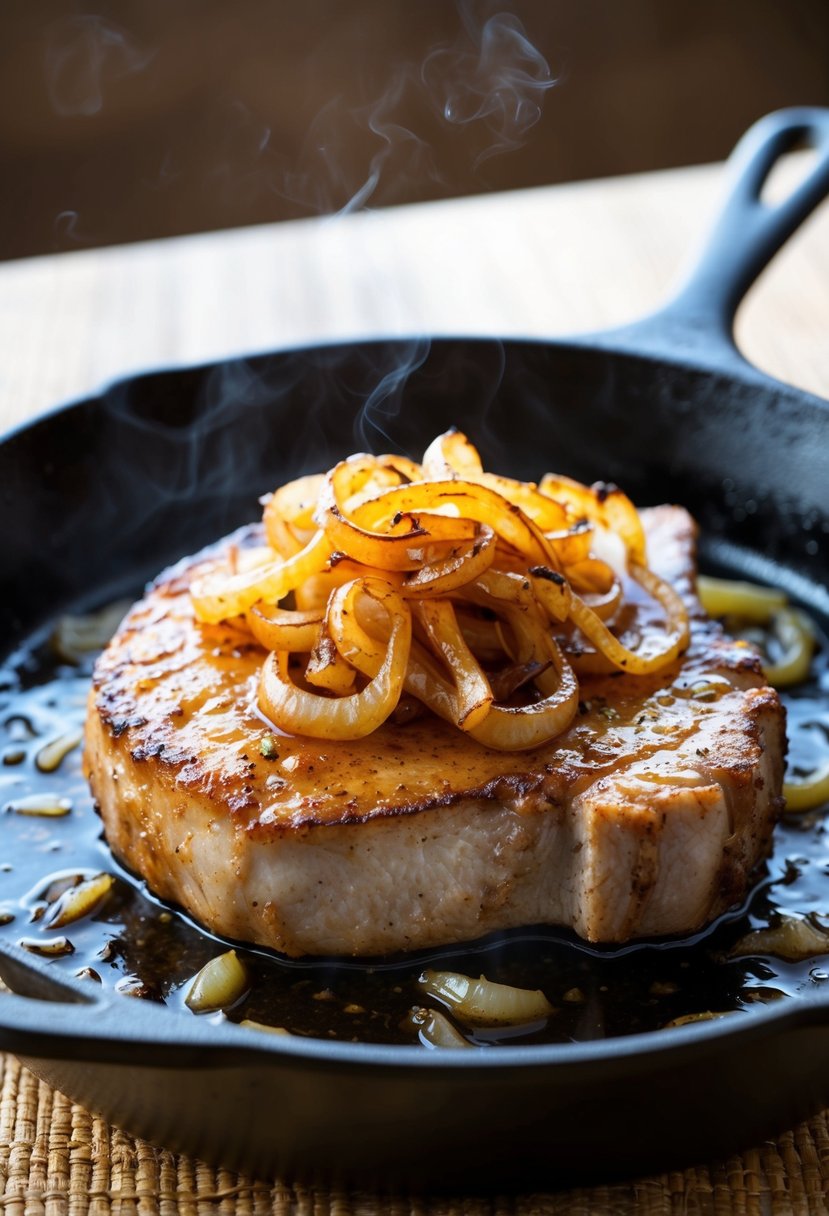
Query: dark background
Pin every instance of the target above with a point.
(149, 118)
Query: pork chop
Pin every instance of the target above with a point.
(646, 817)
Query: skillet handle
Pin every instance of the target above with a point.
(745, 236)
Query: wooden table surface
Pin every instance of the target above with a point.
(545, 262)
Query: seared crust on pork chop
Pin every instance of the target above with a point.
(646, 817)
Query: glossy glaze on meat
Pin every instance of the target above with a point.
(647, 817)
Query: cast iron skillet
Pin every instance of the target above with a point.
(99, 496)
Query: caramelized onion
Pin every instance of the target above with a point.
(79, 901)
(605, 604)
(492, 571)
(471, 501)
(249, 1024)
(794, 634)
(51, 755)
(293, 504)
(408, 543)
(353, 716)
(633, 662)
(282, 629)
(450, 455)
(752, 604)
(602, 504)
(474, 695)
(690, 1019)
(218, 595)
(454, 571)
(315, 593)
(327, 668)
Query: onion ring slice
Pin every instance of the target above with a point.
(471, 501)
(603, 504)
(508, 728)
(451, 455)
(407, 544)
(299, 712)
(474, 695)
(327, 668)
(217, 595)
(283, 629)
(442, 577)
(676, 638)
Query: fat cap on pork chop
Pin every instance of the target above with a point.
(645, 818)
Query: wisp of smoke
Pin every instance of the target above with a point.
(84, 54)
(500, 81)
(373, 423)
(490, 80)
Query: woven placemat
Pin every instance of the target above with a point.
(58, 1160)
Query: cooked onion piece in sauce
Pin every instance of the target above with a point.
(484, 1003)
(220, 983)
(794, 938)
(744, 604)
(42, 806)
(793, 632)
(53, 947)
(691, 1019)
(53, 753)
(77, 637)
(733, 597)
(809, 792)
(385, 580)
(79, 901)
(748, 603)
(434, 1029)
(249, 1024)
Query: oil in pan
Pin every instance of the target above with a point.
(64, 898)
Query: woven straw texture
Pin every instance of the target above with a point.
(58, 1160)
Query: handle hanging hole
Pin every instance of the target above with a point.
(788, 173)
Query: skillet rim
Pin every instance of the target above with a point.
(179, 1041)
(642, 340)
(806, 1008)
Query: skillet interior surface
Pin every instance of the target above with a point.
(172, 460)
(101, 496)
(166, 462)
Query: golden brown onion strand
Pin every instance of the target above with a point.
(491, 570)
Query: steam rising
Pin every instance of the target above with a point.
(419, 130)
(490, 82)
(394, 138)
(500, 83)
(66, 227)
(373, 428)
(486, 88)
(179, 459)
(85, 54)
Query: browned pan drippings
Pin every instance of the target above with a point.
(132, 943)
